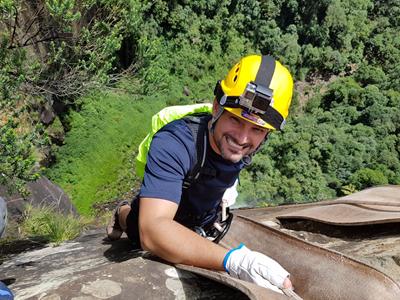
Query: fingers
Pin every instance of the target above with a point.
(256, 267)
(271, 270)
(266, 284)
(287, 284)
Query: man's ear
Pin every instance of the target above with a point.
(215, 108)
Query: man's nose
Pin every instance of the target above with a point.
(242, 135)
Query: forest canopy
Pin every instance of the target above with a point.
(343, 130)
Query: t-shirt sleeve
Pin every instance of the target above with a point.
(168, 161)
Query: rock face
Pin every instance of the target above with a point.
(91, 268)
(43, 192)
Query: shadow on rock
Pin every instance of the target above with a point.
(121, 250)
(18, 246)
(197, 287)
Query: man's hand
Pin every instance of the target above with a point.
(256, 267)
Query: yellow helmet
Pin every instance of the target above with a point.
(258, 89)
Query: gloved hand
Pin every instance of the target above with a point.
(255, 267)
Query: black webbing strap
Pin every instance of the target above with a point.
(198, 124)
(265, 71)
(273, 117)
(264, 78)
(230, 101)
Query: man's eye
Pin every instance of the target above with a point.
(260, 130)
(235, 120)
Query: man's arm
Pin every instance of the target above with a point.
(168, 239)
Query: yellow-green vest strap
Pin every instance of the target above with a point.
(160, 119)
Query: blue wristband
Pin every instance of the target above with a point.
(228, 254)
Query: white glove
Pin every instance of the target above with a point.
(255, 267)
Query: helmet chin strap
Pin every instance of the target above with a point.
(249, 158)
(214, 119)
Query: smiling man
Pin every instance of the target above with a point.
(234, 138)
(187, 176)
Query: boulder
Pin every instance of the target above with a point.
(42, 192)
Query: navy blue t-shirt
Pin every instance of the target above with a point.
(171, 156)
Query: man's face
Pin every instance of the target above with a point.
(235, 138)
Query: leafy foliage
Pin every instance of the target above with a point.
(342, 136)
(60, 48)
(17, 163)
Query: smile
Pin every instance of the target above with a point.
(235, 146)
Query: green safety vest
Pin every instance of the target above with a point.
(160, 119)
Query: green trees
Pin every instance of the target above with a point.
(60, 48)
(344, 126)
(17, 163)
(51, 52)
(348, 138)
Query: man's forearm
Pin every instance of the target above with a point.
(178, 244)
(166, 238)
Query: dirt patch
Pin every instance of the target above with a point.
(308, 89)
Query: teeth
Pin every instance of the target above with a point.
(232, 142)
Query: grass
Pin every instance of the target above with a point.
(51, 226)
(41, 226)
(96, 163)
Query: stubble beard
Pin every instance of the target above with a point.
(226, 153)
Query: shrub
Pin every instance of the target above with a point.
(54, 227)
(17, 164)
(367, 177)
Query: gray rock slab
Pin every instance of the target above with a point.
(44, 191)
(92, 268)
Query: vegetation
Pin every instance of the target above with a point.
(45, 223)
(51, 52)
(16, 158)
(97, 162)
(69, 60)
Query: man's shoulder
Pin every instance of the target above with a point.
(175, 139)
(179, 140)
(177, 129)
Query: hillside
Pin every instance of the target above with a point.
(57, 59)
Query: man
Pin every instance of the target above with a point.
(250, 102)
